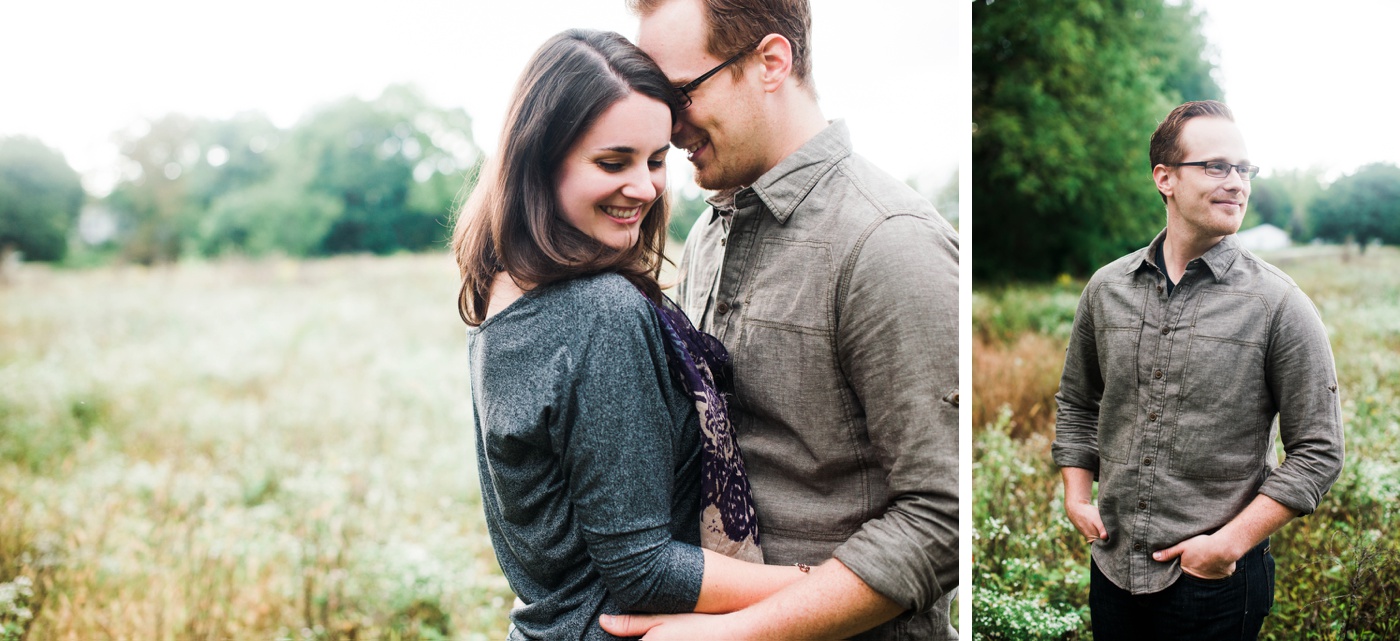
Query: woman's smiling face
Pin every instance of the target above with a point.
(614, 172)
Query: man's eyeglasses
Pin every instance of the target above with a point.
(1221, 169)
(683, 91)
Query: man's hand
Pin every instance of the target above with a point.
(1079, 503)
(1085, 517)
(664, 627)
(1203, 556)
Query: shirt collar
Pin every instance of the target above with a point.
(784, 187)
(1218, 259)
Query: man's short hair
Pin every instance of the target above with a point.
(734, 24)
(1165, 148)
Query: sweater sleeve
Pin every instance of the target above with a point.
(617, 446)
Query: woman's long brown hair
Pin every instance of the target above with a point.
(512, 222)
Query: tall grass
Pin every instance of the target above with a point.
(1338, 569)
(236, 450)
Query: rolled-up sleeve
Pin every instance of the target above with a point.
(1302, 379)
(1081, 389)
(898, 343)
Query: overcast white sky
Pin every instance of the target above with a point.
(1308, 81)
(1312, 84)
(75, 71)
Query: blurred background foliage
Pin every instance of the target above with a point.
(353, 176)
(376, 176)
(40, 196)
(1065, 95)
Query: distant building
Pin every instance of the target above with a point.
(1264, 237)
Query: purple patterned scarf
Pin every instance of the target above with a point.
(700, 364)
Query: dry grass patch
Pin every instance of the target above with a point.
(1022, 375)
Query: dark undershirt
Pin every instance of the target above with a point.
(1162, 267)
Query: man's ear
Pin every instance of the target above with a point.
(775, 52)
(1162, 175)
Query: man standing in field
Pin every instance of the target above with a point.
(835, 289)
(1182, 355)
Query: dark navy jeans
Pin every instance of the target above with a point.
(1232, 608)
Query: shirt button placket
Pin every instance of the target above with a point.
(1141, 567)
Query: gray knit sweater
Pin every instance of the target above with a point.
(589, 458)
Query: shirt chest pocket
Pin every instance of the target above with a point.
(1225, 410)
(1118, 332)
(791, 285)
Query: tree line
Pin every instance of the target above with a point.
(355, 175)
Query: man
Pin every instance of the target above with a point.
(834, 288)
(1182, 355)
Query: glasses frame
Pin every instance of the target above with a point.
(1246, 172)
(683, 91)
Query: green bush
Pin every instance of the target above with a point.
(1000, 313)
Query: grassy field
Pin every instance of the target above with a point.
(259, 450)
(1338, 569)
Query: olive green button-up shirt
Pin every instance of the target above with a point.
(835, 289)
(1172, 399)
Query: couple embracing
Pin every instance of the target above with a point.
(772, 455)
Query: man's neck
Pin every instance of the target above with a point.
(1181, 246)
(799, 119)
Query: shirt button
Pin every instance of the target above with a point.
(1152, 417)
(1142, 505)
(1137, 547)
(1157, 374)
(722, 308)
(1147, 461)
(1159, 289)
(1166, 330)
(722, 241)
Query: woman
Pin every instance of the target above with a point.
(586, 381)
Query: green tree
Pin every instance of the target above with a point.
(233, 154)
(1364, 205)
(1066, 94)
(280, 215)
(40, 198)
(151, 201)
(395, 165)
(1269, 202)
(357, 175)
(1302, 187)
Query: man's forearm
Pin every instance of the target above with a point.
(1261, 518)
(1214, 556)
(1079, 503)
(1079, 484)
(832, 603)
